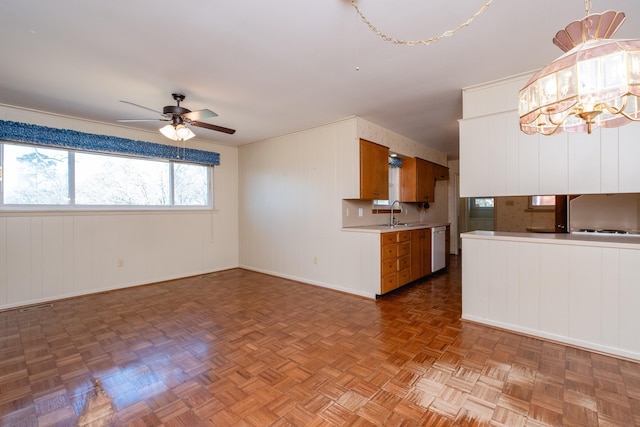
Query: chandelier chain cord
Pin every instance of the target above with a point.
(428, 41)
(587, 6)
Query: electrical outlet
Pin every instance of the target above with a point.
(360, 212)
(315, 259)
(347, 211)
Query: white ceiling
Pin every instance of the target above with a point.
(273, 67)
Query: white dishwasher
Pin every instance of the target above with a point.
(438, 243)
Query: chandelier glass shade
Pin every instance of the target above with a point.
(596, 83)
(177, 132)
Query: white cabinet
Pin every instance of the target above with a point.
(474, 143)
(497, 155)
(552, 164)
(629, 158)
(497, 159)
(512, 153)
(609, 160)
(584, 163)
(528, 163)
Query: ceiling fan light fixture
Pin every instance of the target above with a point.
(596, 83)
(177, 132)
(184, 132)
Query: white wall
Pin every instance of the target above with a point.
(398, 143)
(46, 255)
(278, 200)
(291, 191)
(290, 202)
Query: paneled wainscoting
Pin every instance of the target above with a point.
(243, 348)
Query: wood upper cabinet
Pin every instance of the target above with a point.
(374, 171)
(417, 180)
(440, 173)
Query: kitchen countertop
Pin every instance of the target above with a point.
(630, 241)
(541, 230)
(387, 228)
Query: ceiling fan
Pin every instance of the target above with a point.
(180, 117)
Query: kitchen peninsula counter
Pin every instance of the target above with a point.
(631, 241)
(579, 289)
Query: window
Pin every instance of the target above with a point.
(190, 185)
(394, 189)
(34, 175)
(37, 176)
(482, 202)
(481, 207)
(542, 202)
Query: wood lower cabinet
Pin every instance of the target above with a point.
(447, 246)
(420, 253)
(405, 257)
(374, 171)
(395, 256)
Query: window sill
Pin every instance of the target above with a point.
(385, 211)
(102, 211)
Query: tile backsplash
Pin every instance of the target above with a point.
(437, 211)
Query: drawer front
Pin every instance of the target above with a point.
(404, 236)
(388, 238)
(389, 282)
(404, 248)
(404, 263)
(404, 277)
(389, 251)
(389, 266)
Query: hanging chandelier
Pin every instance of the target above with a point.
(596, 83)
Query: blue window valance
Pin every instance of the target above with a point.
(395, 162)
(64, 138)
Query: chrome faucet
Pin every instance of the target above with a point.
(392, 220)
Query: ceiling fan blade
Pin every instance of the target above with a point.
(140, 106)
(214, 127)
(199, 115)
(142, 120)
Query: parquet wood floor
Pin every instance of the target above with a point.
(247, 349)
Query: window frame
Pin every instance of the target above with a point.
(481, 211)
(384, 206)
(541, 208)
(72, 206)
